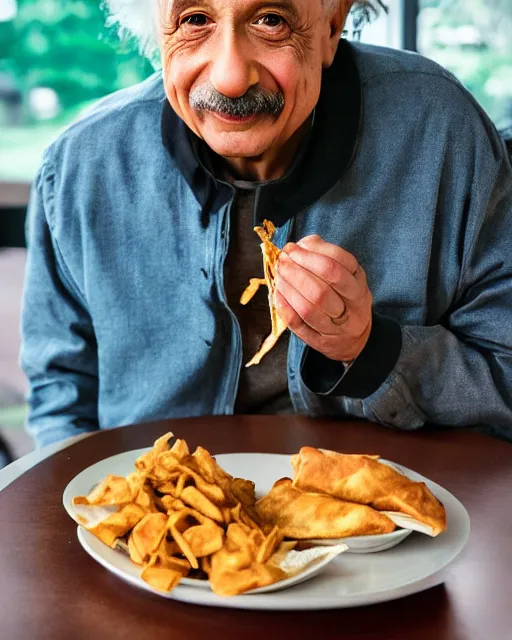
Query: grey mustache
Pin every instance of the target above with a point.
(255, 101)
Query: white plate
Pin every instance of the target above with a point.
(348, 581)
(124, 568)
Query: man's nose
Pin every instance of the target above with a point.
(233, 71)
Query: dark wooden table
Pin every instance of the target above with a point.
(50, 588)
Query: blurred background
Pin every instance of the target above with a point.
(57, 57)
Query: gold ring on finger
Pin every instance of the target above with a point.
(341, 319)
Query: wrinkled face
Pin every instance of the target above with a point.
(245, 74)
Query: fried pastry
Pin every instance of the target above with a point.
(270, 258)
(303, 515)
(365, 480)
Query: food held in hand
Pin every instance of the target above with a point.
(270, 258)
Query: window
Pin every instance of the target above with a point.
(56, 58)
(384, 29)
(473, 40)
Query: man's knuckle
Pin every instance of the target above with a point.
(352, 263)
(307, 313)
(318, 296)
(331, 271)
(309, 242)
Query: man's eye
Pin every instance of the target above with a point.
(195, 20)
(271, 20)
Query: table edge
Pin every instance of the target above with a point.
(16, 469)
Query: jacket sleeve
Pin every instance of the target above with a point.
(58, 353)
(457, 372)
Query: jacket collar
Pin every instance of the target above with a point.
(328, 153)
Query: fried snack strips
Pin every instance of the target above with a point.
(242, 563)
(179, 513)
(303, 515)
(365, 480)
(270, 258)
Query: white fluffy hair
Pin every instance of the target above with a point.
(137, 18)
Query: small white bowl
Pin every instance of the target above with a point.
(367, 544)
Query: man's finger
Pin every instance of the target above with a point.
(317, 291)
(306, 312)
(327, 268)
(318, 245)
(296, 324)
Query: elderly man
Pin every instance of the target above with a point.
(392, 196)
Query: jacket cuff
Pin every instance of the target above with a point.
(365, 375)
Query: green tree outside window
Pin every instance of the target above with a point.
(56, 58)
(473, 40)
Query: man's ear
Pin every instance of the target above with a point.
(337, 22)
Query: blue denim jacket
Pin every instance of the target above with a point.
(125, 317)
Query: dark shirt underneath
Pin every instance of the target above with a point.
(263, 388)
